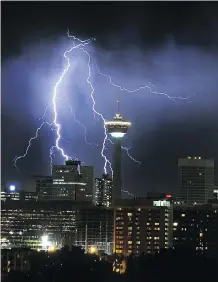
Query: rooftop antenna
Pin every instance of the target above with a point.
(118, 107)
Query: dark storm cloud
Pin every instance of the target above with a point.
(167, 48)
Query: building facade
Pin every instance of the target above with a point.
(196, 180)
(102, 195)
(18, 195)
(142, 226)
(68, 183)
(94, 229)
(196, 226)
(53, 224)
(44, 188)
(88, 178)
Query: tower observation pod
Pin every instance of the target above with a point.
(117, 128)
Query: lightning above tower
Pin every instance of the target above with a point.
(107, 162)
(55, 124)
(149, 86)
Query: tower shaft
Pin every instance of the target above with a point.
(116, 192)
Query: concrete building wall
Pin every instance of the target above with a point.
(196, 180)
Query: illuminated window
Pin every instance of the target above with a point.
(138, 242)
(129, 242)
(157, 223)
(130, 228)
(129, 214)
(119, 242)
(139, 209)
(182, 215)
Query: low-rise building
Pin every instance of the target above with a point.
(53, 224)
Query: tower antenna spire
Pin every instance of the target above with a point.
(118, 107)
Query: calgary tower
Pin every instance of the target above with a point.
(117, 128)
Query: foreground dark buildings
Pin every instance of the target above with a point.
(197, 227)
(180, 264)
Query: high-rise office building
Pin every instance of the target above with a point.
(68, 183)
(117, 128)
(44, 187)
(102, 195)
(142, 225)
(196, 226)
(196, 180)
(88, 178)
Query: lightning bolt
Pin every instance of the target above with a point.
(149, 86)
(127, 151)
(81, 124)
(55, 121)
(74, 118)
(30, 143)
(127, 192)
(107, 162)
(82, 43)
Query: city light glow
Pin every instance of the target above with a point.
(118, 122)
(12, 188)
(92, 250)
(46, 244)
(117, 134)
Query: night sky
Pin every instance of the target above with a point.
(174, 46)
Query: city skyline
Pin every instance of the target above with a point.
(95, 192)
(163, 130)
